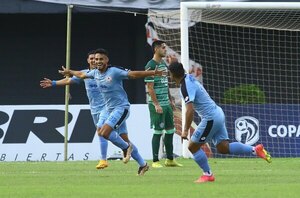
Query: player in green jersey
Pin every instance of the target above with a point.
(160, 106)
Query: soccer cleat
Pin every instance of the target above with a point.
(262, 153)
(156, 165)
(102, 164)
(172, 163)
(205, 178)
(143, 169)
(127, 154)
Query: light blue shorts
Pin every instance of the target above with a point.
(100, 118)
(95, 118)
(211, 129)
(115, 119)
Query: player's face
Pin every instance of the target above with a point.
(101, 61)
(162, 50)
(91, 61)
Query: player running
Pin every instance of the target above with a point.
(110, 83)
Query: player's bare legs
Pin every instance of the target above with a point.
(223, 147)
(105, 131)
(143, 166)
(108, 133)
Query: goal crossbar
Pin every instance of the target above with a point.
(241, 5)
(184, 6)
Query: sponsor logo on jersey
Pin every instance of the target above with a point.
(108, 79)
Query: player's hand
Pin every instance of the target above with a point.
(158, 109)
(160, 72)
(184, 136)
(46, 83)
(65, 72)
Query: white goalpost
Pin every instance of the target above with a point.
(249, 54)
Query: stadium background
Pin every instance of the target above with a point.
(33, 46)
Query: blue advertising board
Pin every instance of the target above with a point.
(276, 126)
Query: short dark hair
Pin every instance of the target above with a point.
(176, 69)
(156, 43)
(101, 51)
(90, 53)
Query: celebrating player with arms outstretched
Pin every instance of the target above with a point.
(95, 100)
(110, 83)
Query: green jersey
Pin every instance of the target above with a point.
(161, 86)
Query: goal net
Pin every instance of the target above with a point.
(247, 55)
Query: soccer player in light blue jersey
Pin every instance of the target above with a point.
(110, 83)
(95, 100)
(212, 126)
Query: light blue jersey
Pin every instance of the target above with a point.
(193, 91)
(95, 98)
(110, 84)
(212, 125)
(97, 107)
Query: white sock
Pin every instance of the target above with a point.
(208, 173)
(253, 151)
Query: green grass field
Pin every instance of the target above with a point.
(234, 178)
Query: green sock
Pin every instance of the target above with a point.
(169, 145)
(155, 146)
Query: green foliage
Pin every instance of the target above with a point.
(244, 94)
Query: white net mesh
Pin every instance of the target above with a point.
(250, 60)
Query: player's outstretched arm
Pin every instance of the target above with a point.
(46, 83)
(143, 74)
(68, 72)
